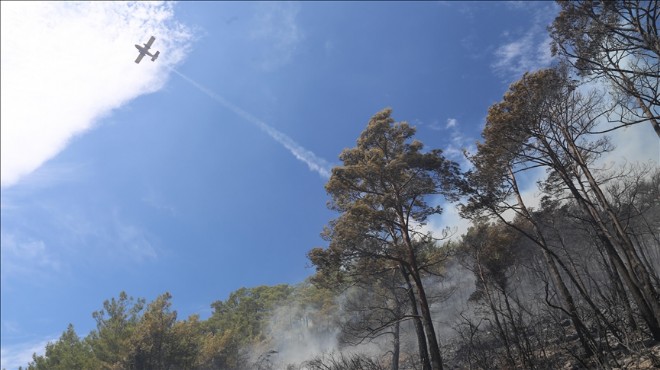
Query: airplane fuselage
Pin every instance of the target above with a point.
(143, 50)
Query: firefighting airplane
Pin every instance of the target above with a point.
(144, 50)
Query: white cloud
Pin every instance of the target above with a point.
(635, 143)
(451, 122)
(66, 65)
(448, 219)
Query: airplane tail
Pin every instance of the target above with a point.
(155, 56)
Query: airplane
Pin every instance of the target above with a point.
(144, 50)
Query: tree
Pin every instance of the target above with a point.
(375, 309)
(381, 192)
(515, 141)
(617, 41)
(493, 252)
(378, 296)
(334, 361)
(115, 324)
(160, 342)
(545, 121)
(239, 322)
(67, 353)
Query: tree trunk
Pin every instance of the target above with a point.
(643, 275)
(397, 346)
(496, 316)
(434, 348)
(564, 293)
(417, 321)
(521, 340)
(636, 288)
(647, 304)
(580, 329)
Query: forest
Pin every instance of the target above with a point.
(569, 280)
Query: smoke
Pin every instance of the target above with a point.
(313, 162)
(450, 294)
(300, 332)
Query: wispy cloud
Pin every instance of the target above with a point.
(25, 257)
(13, 356)
(435, 125)
(527, 52)
(450, 220)
(636, 143)
(155, 200)
(275, 30)
(458, 142)
(65, 65)
(112, 234)
(133, 241)
(38, 255)
(524, 54)
(313, 162)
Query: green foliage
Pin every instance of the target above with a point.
(115, 325)
(246, 309)
(132, 335)
(239, 321)
(317, 304)
(67, 353)
(160, 342)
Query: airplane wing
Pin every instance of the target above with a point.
(139, 58)
(151, 41)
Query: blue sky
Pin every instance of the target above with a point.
(203, 172)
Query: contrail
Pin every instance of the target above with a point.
(319, 165)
